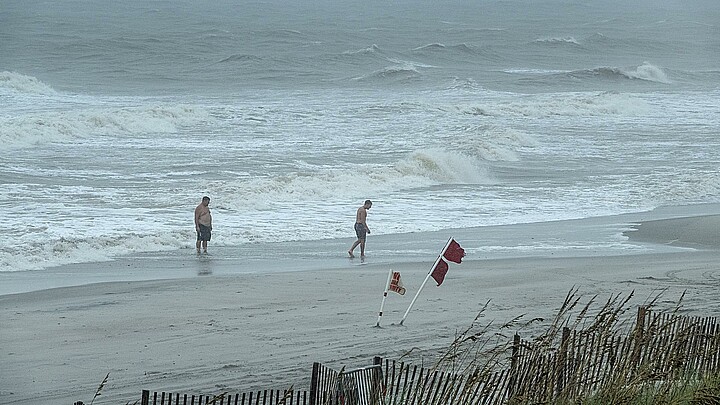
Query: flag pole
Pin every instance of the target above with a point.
(382, 304)
(426, 280)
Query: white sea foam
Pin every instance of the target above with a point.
(465, 85)
(442, 166)
(16, 82)
(56, 251)
(534, 71)
(567, 104)
(271, 214)
(430, 47)
(419, 169)
(41, 128)
(648, 72)
(558, 40)
(400, 70)
(437, 47)
(494, 143)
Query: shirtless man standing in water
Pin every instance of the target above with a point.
(361, 229)
(203, 224)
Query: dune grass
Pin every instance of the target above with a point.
(589, 353)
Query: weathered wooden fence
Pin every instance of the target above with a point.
(658, 348)
(357, 387)
(412, 385)
(265, 397)
(327, 387)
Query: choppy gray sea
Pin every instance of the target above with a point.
(117, 117)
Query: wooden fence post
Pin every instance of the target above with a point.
(639, 335)
(377, 394)
(314, 381)
(562, 361)
(515, 351)
(514, 365)
(145, 399)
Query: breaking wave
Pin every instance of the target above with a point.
(42, 128)
(421, 168)
(392, 73)
(566, 104)
(19, 83)
(646, 72)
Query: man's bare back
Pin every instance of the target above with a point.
(361, 216)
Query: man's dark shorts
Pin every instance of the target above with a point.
(204, 233)
(360, 231)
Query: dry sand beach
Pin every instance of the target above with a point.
(199, 325)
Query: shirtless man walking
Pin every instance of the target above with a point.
(203, 224)
(361, 229)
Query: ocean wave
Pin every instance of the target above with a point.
(465, 84)
(430, 47)
(42, 128)
(535, 71)
(443, 166)
(57, 251)
(557, 41)
(599, 42)
(566, 104)
(213, 34)
(240, 58)
(493, 143)
(600, 38)
(470, 30)
(392, 73)
(645, 72)
(421, 168)
(19, 83)
(373, 49)
(107, 232)
(358, 57)
(436, 47)
(648, 72)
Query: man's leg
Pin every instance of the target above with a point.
(362, 248)
(354, 245)
(197, 245)
(204, 245)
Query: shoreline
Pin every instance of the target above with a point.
(237, 330)
(661, 231)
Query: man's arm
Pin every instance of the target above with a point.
(197, 218)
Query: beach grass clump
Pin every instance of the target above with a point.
(688, 391)
(589, 353)
(99, 390)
